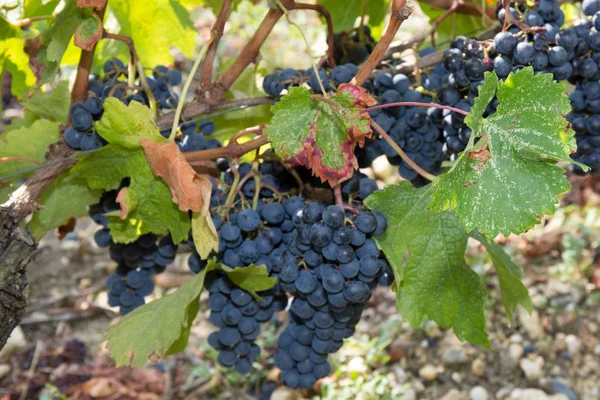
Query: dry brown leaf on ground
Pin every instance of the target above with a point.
(189, 190)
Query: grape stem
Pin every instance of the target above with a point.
(186, 87)
(402, 154)
(27, 21)
(216, 34)
(408, 104)
(442, 18)
(286, 12)
(321, 9)
(29, 160)
(337, 192)
(232, 150)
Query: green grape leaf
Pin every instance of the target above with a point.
(252, 278)
(456, 24)
(317, 134)
(510, 180)
(36, 8)
(158, 328)
(27, 146)
(146, 204)
(138, 19)
(345, 14)
(513, 290)
(48, 54)
(66, 197)
(14, 59)
(426, 251)
(53, 105)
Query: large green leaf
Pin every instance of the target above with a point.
(159, 328)
(14, 59)
(513, 290)
(55, 40)
(344, 14)
(508, 184)
(25, 144)
(426, 251)
(35, 8)
(146, 204)
(317, 134)
(53, 105)
(141, 21)
(66, 197)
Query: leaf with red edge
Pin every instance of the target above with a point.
(321, 135)
(89, 32)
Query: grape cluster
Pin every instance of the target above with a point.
(81, 135)
(331, 268)
(353, 47)
(136, 261)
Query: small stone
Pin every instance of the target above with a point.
(515, 352)
(382, 168)
(357, 364)
(4, 370)
(597, 350)
(283, 393)
(558, 397)
(573, 344)
(455, 356)
(532, 369)
(560, 342)
(400, 374)
(560, 387)
(456, 377)
(418, 386)
(504, 393)
(410, 394)
(16, 341)
(528, 394)
(516, 338)
(532, 324)
(428, 372)
(454, 394)
(432, 330)
(478, 367)
(479, 393)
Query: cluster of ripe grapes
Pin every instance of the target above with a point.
(81, 135)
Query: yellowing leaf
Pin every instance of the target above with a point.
(204, 233)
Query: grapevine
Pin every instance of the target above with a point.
(278, 219)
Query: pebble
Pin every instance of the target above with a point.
(455, 356)
(283, 393)
(382, 168)
(515, 352)
(456, 377)
(410, 394)
(573, 344)
(560, 387)
(16, 341)
(516, 338)
(400, 374)
(357, 364)
(432, 330)
(532, 324)
(478, 367)
(479, 393)
(597, 350)
(532, 368)
(454, 394)
(428, 372)
(418, 386)
(4, 370)
(528, 394)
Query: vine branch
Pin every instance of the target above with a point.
(250, 51)
(400, 12)
(217, 34)
(232, 150)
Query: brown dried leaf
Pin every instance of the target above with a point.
(88, 33)
(66, 228)
(189, 190)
